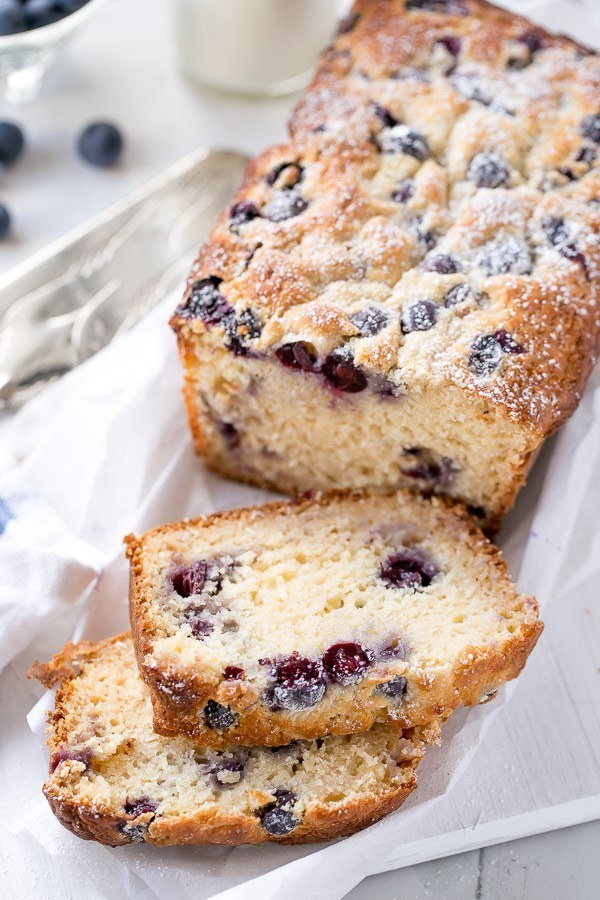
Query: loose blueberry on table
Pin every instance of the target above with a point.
(101, 144)
(11, 142)
(4, 221)
(12, 18)
(41, 12)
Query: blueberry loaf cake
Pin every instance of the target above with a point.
(406, 293)
(322, 615)
(113, 780)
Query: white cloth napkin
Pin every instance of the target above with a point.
(43, 567)
(107, 451)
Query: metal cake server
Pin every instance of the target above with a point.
(68, 302)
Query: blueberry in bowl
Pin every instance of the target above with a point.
(12, 18)
(17, 16)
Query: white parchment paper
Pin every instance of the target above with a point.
(108, 449)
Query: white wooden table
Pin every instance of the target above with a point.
(561, 865)
(50, 191)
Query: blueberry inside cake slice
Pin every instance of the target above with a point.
(322, 616)
(113, 780)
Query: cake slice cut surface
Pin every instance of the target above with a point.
(114, 780)
(322, 616)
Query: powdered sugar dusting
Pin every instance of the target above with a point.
(409, 99)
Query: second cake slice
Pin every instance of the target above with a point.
(113, 780)
(322, 616)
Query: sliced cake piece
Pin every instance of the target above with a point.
(113, 780)
(322, 616)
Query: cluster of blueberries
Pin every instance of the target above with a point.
(25, 15)
(100, 144)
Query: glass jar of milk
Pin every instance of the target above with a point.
(266, 47)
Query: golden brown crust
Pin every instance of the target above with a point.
(210, 825)
(64, 665)
(317, 825)
(179, 696)
(82, 820)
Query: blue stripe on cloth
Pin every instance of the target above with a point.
(6, 514)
